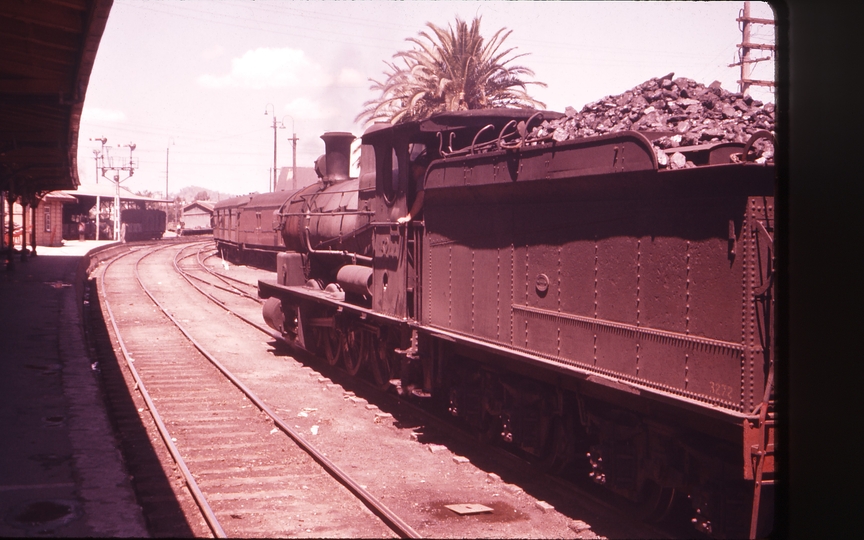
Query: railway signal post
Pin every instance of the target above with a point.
(116, 165)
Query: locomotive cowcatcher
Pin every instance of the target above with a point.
(574, 300)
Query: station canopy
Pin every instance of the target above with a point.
(107, 190)
(47, 51)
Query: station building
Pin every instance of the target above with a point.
(197, 217)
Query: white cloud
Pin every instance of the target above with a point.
(351, 78)
(269, 68)
(95, 114)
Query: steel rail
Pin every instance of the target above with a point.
(232, 290)
(465, 437)
(221, 304)
(222, 277)
(200, 499)
(370, 501)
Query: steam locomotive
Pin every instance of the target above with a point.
(575, 300)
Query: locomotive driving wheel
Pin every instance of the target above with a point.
(380, 360)
(332, 344)
(560, 451)
(356, 350)
(655, 502)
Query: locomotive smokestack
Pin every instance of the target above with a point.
(337, 146)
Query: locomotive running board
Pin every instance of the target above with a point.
(268, 289)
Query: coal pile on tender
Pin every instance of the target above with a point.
(685, 112)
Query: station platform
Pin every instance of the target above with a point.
(61, 472)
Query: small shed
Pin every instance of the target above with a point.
(48, 222)
(196, 216)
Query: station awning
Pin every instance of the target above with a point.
(47, 51)
(107, 190)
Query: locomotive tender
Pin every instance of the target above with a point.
(573, 299)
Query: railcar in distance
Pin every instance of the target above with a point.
(243, 228)
(143, 224)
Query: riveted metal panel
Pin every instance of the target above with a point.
(641, 280)
(461, 309)
(541, 267)
(437, 278)
(485, 293)
(388, 274)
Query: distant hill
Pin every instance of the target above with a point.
(305, 177)
(193, 193)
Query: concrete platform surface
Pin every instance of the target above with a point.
(61, 473)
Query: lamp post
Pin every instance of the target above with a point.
(97, 154)
(274, 138)
(293, 140)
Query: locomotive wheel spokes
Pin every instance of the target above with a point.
(333, 343)
(656, 502)
(560, 451)
(355, 350)
(379, 357)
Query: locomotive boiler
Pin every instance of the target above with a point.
(575, 300)
(255, 228)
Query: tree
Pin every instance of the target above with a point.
(449, 70)
(202, 195)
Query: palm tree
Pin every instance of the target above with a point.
(450, 70)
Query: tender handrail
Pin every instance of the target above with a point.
(487, 127)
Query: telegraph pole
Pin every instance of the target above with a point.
(280, 125)
(293, 140)
(274, 152)
(746, 46)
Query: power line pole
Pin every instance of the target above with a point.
(274, 153)
(746, 46)
(293, 140)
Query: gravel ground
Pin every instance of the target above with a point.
(415, 471)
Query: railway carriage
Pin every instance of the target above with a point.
(143, 224)
(243, 228)
(225, 218)
(574, 300)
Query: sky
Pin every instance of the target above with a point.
(188, 81)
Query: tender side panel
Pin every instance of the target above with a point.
(634, 277)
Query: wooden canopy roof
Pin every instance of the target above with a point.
(47, 50)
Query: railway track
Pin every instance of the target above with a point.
(517, 484)
(245, 476)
